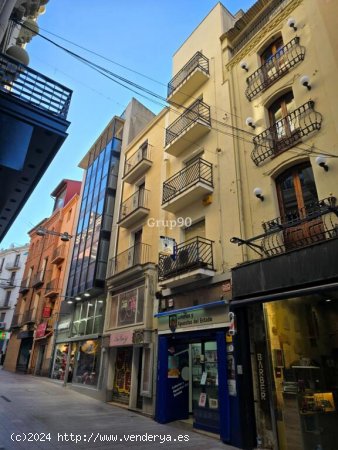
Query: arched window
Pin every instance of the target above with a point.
(298, 199)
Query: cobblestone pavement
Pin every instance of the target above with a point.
(52, 416)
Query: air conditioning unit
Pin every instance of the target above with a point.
(2, 325)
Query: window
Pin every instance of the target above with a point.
(2, 317)
(87, 363)
(7, 298)
(127, 308)
(16, 262)
(283, 129)
(2, 264)
(296, 190)
(197, 229)
(88, 317)
(60, 200)
(11, 281)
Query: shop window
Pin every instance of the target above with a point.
(127, 308)
(87, 363)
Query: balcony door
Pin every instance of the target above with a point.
(283, 126)
(272, 60)
(297, 196)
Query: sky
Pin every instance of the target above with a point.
(140, 35)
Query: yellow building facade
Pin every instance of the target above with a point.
(280, 59)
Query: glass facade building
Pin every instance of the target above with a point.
(90, 254)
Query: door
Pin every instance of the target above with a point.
(297, 195)
(273, 61)
(284, 126)
(137, 247)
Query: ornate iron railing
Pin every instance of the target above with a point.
(193, 254)
(29, 315)
(197, 112)
(197, 61)
(138, 200)
(317, 222)
(34, 88)
(59, 252)
(285, 133)
(137, 254)
(142, 153)
(199, 171)
(285, 59)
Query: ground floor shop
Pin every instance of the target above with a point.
(19, 351)
(78, 362)
(131, 369)
(197, 377)
(294, 345)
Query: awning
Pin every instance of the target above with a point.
(192, 308)
(283, 295)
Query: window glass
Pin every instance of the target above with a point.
(88, 363)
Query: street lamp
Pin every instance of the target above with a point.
(65, 237)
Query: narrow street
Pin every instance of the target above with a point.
(37, 413)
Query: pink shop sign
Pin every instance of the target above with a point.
(121, 338)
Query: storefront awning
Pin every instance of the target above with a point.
(285, 294)
(192, 308)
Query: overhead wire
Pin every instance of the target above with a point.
(126, 83)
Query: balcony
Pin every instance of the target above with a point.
(286, 133)
(188, 79)
(193, 261)
(52, 288)
(16, 321)
(29, 316)
(7, 284)
(136, 255)
(37, 279)
(296, 251)
(190, 126)
(278, 65)
(187, 186)
(24, 287)
(33, 111)
(13, 266)
(134, 209)
(59, 254)
(137, 164)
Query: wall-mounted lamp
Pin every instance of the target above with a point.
(321, 161)
(244, 65)
(292, 23)
(305, 81)
(250, 122)
(258, 193)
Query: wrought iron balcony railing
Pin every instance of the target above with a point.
(38, 278)
(59, 253)
(138, 200)
(285, 59)
(285, 133)
(317, 222)
(16, 321)
(199, 171)
(24, 287)
(141, 154)
(197, 61)
(137, 254)
(34, 88)
(29, 316)
(197, 112)
(52, 287)
(196, 253)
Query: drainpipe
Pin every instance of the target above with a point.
(237, 150)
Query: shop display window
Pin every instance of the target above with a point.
(87, 362)
(60, 362)
(127, 308)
